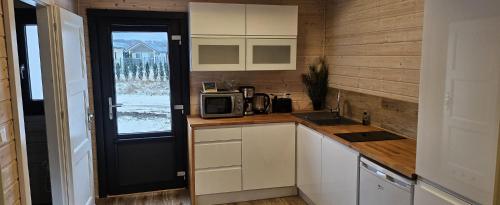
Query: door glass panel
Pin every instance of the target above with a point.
(219, 54)
(264, 54)
(142, 77)
(35, 71)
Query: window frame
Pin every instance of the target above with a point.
(26, 17)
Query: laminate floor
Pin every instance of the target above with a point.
(181, 197)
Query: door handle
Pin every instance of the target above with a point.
(111, 107)
(22, 68)
(179, 107)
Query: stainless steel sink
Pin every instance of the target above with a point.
(325, 118)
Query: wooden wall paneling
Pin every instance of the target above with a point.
(5, 111)
(4, 74)
(12, 194)
(4, 89)
(374, 47)
(10, 171)
(11, 112)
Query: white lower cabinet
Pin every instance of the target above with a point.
(339, 178)
(217, 156)
(232, 159)
(309, 163)
(268, 156)
(327, 171)
(220, 180)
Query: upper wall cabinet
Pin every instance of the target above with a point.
(274, 20)
(271, 54)
(239, 37)
(216, 19)
(217, 54)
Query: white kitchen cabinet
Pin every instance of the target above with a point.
(216, 19)
(426, 194)
(217, 134)
(276, 20)
(218, 154)
(339, 178)
(271, 54)
(217, 160)
(217, 54)
(221, 180)
(218, 34)
(309, 162)
(268, 155)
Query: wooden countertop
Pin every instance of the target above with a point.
(197, 122)
(397, 155)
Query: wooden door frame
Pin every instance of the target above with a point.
(16, 97)
(16, 94)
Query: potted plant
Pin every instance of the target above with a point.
(316, 82)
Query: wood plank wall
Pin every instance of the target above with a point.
(8, 163)
(374, 46)
(309, 46)
(70, 5)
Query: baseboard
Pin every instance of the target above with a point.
(249, 195)
(305, 197)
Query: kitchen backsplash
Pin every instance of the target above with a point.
(394, 115)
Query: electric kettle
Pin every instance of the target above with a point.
(261, 103)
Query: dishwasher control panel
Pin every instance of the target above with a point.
(380, 186)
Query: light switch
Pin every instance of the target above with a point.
(3, 135)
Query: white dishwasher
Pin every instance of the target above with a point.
(379, 186)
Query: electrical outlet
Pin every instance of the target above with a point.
(3, 135)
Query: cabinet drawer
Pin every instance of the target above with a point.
(218, 180)
(217, 154)
(217, 134)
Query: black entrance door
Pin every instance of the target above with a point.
(140, 78)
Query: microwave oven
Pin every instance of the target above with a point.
(221, 104)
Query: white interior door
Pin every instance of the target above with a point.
(67, 106)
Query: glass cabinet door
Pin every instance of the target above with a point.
(271, 54)
(217, 54)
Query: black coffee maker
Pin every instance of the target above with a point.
(248, 94)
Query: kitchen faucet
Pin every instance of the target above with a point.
(336, 109)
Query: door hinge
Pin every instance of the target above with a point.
(177, 38)
(182, 174)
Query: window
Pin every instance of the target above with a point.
(29, 61)
(34, 68)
